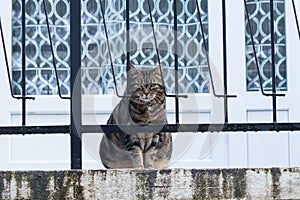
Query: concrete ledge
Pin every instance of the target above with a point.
(152, 184)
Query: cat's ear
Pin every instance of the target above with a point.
(134, 70)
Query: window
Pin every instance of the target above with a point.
(40, 77)
(259, 13)
(96, 73)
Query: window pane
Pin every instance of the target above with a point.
(40, 76)
(96, 72)
(259, 12)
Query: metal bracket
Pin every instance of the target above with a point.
(207, 57)
(52, 52)
(296, 18)
(7, 68)
(256, 60)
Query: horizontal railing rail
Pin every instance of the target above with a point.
(173, 128)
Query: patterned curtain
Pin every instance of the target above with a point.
(96, 72)
(259, 12)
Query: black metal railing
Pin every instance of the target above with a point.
(76, 129)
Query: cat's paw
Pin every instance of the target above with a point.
(139, 167)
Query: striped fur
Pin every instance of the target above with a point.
(146, 105)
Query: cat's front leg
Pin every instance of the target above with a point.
(150, 155)
(136, 156)
(149, 158)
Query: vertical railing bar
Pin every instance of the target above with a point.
(76, 112)
(296, 18)
(127, 18)
(6, 61)
(23, 63)
(207, 56)
(154, 36)
(224, 60)
(255, 55)
(272, 32)
(7, 65)
(109, 49)
(52, 52)
(157, 53)
(176, 61)
(254, 49)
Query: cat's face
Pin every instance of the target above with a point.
(146, 85)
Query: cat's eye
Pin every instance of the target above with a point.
(139, 88)
(155, 86)
(136, 87)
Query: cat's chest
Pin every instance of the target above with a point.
(150, 109)
(145, 140)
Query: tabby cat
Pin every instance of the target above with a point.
(146, 105)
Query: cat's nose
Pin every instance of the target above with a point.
(146, 92)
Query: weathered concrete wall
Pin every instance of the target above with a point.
(152, 184)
